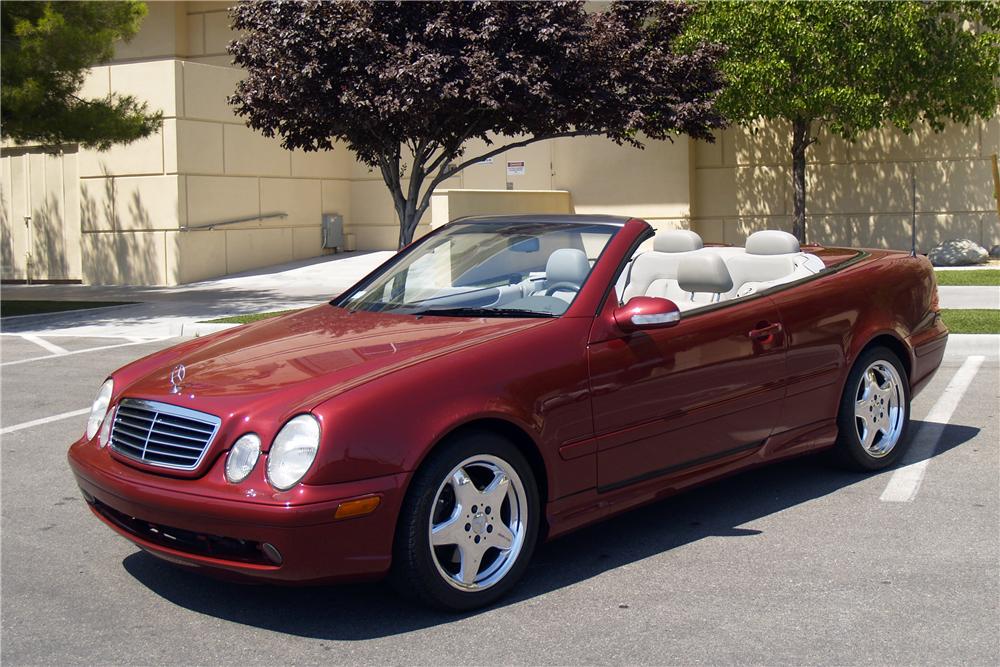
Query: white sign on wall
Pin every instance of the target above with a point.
(515, 168)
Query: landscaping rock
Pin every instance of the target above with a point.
(995, 252)
(958, 252)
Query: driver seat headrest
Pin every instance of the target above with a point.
(567, 265)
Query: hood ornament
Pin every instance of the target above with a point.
(176, 378)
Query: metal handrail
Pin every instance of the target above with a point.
(251, 218)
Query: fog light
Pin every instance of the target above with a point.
(271, 552)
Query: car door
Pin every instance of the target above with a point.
(704, 390)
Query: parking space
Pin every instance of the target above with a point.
(797, 563)
(39, 384)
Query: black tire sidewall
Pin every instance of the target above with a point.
(413, 571)
(849, 447)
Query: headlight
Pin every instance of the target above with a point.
(105, 437)
(242, 458)
(99, 408)
(292, 452)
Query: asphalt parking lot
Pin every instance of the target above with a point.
(794, 564)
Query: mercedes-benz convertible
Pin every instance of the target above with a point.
(501, 381)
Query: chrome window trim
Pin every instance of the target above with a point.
(169, 410)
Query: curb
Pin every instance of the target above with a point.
(201, 328)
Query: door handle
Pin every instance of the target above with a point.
(765, 332)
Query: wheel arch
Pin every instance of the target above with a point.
(892, 342)
(518, 437)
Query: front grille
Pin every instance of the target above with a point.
(163, 435)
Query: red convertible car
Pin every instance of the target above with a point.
(501, 381)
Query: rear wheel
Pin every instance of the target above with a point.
(874, 412)
(469, 524)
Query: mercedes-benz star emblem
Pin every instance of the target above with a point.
(176, 378)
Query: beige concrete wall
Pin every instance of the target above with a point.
(147, 212)
(448, 205)
(150, 211)
(857, 194)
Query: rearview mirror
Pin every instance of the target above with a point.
(647, 312)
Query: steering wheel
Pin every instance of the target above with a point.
(562, 285)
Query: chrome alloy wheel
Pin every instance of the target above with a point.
(879, 411)
(478, 522)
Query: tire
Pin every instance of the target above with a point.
(478, 496)
(874, 414)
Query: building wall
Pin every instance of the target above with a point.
(857, 194)
(149, 212)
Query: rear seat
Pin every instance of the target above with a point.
(770, 258)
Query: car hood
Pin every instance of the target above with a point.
(318, 352)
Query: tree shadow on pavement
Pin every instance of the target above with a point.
(366, 611)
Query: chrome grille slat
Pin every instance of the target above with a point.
(119, 444)
(173, 444)
(134, 431)
(129, 441)
(156, 452)
(186, 428)
(134, 421)
(162, 435)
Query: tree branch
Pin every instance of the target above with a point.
(447, 173)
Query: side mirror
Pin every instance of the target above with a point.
(647, 312)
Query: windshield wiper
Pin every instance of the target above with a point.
(469, 311)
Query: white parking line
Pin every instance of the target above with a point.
(91, 349)
(905, 481)
(42, 343)
(44, 420)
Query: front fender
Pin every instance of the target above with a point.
(536, 381)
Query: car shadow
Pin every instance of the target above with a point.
(366, 611)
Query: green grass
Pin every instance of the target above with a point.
(246, 319)
(11, 308)
(987, 277)
(973, 320)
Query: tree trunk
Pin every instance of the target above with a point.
(408, 221)
(800, 142)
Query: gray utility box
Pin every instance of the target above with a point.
(333, 231)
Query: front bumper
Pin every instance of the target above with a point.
(188, 522)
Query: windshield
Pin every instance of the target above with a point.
(488, 269)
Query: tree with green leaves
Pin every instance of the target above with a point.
(852, 66)
(45, 51)
(407, 85)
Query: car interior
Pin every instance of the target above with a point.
(542, 272)
(680, 268)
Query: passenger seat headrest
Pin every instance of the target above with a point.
(703, 273)
(676, 240)
(567, 265)
(771, 242)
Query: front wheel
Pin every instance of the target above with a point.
(469, 524)
(874, 412)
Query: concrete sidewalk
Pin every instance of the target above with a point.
(968, 296)
(177, 311)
